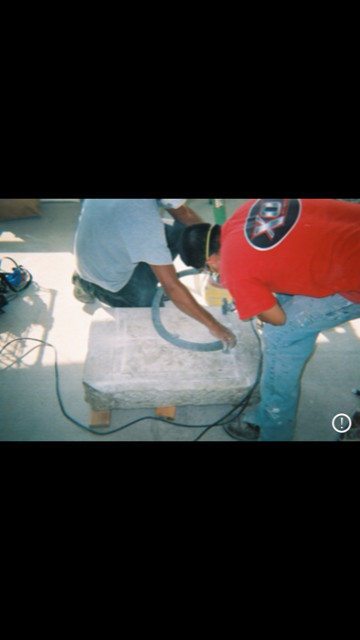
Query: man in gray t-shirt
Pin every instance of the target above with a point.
(123, 250)
(114, 236)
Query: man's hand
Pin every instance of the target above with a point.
(225, 335)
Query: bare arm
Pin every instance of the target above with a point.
(275, 315)
(185, 215)
(183, 299)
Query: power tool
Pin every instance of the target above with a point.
(12, 281)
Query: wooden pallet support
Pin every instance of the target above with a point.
(100, 418)
(166, 412)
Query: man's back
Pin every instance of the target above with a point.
(304, 247)
(114, 235)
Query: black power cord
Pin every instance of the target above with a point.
(240, 407)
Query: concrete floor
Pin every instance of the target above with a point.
(48, 311)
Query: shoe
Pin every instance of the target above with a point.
(243, 431)
(354, 433)
(82, 296)
(80, 292)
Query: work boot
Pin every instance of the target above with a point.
(82, 290)
(243, 431)
(354, 433)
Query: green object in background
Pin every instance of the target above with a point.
(219, 211)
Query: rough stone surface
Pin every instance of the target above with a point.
(129, 365)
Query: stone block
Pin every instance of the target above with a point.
(129, 365)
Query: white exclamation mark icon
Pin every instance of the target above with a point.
(343, 421)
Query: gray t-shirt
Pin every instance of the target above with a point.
(113, 236)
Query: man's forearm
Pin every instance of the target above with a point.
(183, 299)
(185, 302)
(185, 215)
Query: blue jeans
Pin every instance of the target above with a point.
(286, 350)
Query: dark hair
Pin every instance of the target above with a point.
(193, 244)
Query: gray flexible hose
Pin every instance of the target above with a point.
(178, 342)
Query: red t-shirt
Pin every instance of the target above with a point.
(304, 247)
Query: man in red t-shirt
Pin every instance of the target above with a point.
(295, 264)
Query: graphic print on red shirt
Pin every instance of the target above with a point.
(269, 222)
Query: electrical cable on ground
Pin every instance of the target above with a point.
(240, 407)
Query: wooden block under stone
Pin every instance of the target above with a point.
(100, 418)
(166, 412)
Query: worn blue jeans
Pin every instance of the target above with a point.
(286, 350)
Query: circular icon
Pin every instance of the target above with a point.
(341, 423)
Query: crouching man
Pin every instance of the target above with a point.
(123, 249)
